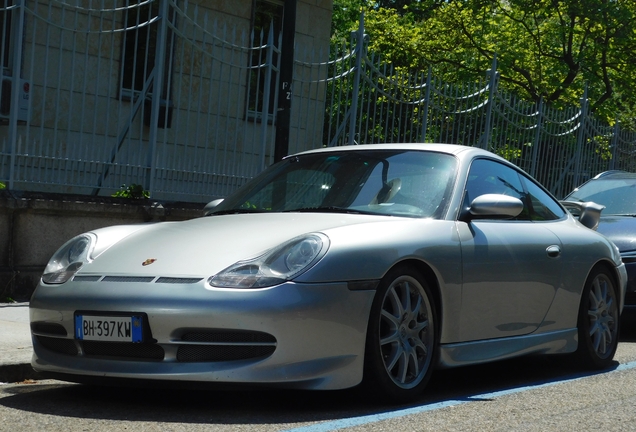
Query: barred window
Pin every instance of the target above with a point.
(140, 47)
(266, 13)
(5, 35)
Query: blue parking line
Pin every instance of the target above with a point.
(374, 418)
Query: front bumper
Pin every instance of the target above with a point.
(294, 335)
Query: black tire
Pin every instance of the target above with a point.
(598, 321)
(402, 336)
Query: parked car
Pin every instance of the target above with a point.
(616, 191)
(370, 263)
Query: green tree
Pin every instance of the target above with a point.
(344, 18)
(546, 49)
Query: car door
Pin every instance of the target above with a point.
(511, 268)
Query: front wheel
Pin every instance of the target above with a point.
(402, 336)
(598, 321)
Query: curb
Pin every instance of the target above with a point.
(18, 372)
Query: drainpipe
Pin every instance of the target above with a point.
(157, 89)
(283, 114)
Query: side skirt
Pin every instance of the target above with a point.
(473, 352)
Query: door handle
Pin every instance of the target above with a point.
(553, 251)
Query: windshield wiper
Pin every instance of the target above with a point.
(237, 211)
(327, 209)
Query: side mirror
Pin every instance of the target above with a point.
(207, 210)
(495, 205)
(388, 191)
(588, 213)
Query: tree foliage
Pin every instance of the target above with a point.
(133, 191)
(546, 49)
(344, 19)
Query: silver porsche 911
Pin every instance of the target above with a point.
(369, 264)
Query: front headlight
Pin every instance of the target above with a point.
(276, 266)
(69, 259)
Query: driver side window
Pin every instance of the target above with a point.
(489, 177)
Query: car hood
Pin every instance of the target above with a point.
(205, 246)
(621, 230)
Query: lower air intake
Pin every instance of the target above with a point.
(220, 353)
(123, 350)
(58, 345)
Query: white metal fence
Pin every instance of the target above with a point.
(84, 114)
(561, 148)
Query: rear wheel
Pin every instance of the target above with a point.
(402, 336)
(599, 321)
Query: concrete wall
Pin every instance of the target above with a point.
(34, 226)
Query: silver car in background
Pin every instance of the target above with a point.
(368, 264)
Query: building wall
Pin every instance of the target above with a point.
(80, 126)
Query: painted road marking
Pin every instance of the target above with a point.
(374, 418)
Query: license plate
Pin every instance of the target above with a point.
(109, 328)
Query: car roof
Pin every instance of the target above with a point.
(614, 174)
(451, 149)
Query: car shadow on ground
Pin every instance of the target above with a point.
(628, 331)
(281, 407)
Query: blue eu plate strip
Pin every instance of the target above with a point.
(79, 332)
(137, 329)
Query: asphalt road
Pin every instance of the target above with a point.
(528, 394)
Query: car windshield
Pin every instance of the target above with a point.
(617, 195)
(386, 182)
